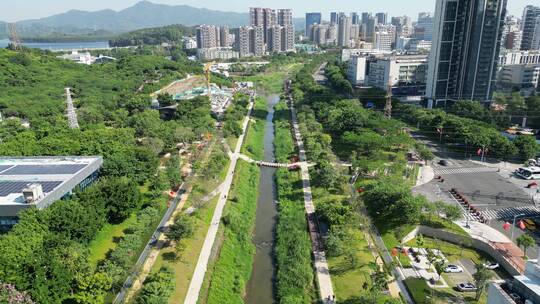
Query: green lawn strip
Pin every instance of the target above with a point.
(443, 224)
(294, 273)
(348, 280)
(185, 265)
(294, 270)
(106, 239)
(254, 140)
(234, 263)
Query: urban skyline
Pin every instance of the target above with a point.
(23, 10)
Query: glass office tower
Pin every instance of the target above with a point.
(465, 49)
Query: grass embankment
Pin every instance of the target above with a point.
(294, 276)
(254, 140)
(271, 81)
(107, 239)
(233, 266)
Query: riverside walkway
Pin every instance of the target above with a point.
(326, 290)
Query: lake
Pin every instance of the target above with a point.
(60, 45)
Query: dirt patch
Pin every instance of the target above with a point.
(182, 85)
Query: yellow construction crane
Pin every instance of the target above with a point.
(207, 73)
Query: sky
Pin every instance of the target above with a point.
(15, 10)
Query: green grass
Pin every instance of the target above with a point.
(443, 224)
(294, 270)
(254, 140)
(234, 263)
(418, 289)
(348, 280)
(271, 82)
(106, 240)
(185, 266)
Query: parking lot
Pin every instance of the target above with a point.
(496, 193)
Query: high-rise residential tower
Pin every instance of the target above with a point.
(333, 17)
(355, 18)
(207, 36)
(465, 49)
(530, 26)
(344, 31)
(263, 17)
(381, 18)
(312, 18)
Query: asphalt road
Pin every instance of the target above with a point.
(499, 196)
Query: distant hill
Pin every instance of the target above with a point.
(144, 14)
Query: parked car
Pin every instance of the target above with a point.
(491, 265)
(453, 268)
(529, 224)
(443, 162)
(468, 286)
(515, 297)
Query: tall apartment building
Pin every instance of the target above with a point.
(263, 17)
(332, 34)
(287, 38)
(333, 17)
(365, 17)
(355, 18)
(274, 39)
(465, 50)
(284, 17)
(530, 26)
(207, 36)
(224, 36)
(511, 34)
(381, 18)
(344, 31)
(424, 27)
(383, 41)
(312, 18)
(250, 41)
(369, 29)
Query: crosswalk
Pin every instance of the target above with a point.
(510, 212)
(462, 170)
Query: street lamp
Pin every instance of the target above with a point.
(514, 225)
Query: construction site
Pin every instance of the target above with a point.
(194, 86)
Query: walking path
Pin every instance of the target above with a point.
(425, 175)
(326, 290)
(202, 263)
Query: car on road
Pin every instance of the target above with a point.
(453, 269)
(529, 224)
(468, 286)
(515, 297)
(491, 265)
(443, 162)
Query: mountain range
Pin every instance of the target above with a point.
(144, 14)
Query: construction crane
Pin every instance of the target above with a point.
(207, 75)
(13, 36)
(388, 105)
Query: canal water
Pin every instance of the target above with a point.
(260, 288)
(52, 46)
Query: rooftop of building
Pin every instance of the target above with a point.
(52, 173)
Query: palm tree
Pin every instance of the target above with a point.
(481, 278)
(525, 241)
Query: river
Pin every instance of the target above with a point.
(260, 288)
(54, 46)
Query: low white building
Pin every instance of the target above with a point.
(398, 70)
(524, 77)
(356, 70)
(509, 57)
(82, 58)
(217, 53)
(419, 45)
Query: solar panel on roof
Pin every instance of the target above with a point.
(7, 188)
(43, 169)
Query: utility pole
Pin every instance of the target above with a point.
(13, 36)
(388, 106)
